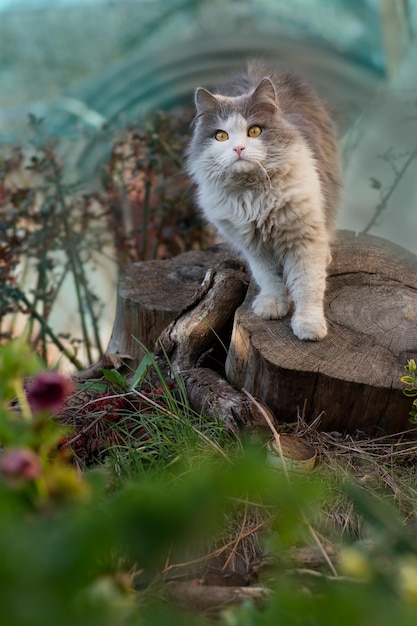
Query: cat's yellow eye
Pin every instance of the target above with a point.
(221, 135)
(254, 131)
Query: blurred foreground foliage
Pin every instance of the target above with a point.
(83, 548)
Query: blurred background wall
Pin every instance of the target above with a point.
(81, 64)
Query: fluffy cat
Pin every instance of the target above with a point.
(265, 161)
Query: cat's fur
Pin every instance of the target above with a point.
(274, 197)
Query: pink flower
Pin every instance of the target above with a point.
(48, 391)
(20, 463)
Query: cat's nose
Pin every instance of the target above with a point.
(239, 149)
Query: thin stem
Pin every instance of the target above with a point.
(321, 548)
(71, 256)
(52, 300)
(82, 432)
(215, 553)
(42, 287)
(49, 331)
(384, 201)
(158, 238)
(145, 218)
(90, 307)
(239, 538)
(22, 399)
(169, 152)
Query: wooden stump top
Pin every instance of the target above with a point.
(353, 375)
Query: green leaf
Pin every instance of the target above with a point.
(408, 380)
(411, 366)
(410, 393)
(96, 387)
(141, 370)
(115, 377)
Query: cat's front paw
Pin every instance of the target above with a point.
(270, 308)
(310, 328)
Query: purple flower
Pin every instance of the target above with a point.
(20, 463)
(48, 391)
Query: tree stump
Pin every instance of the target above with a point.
(151, 294)
(352, 377)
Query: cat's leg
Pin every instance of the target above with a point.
(305, 277)
(272, 302)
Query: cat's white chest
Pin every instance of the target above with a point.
(241, 216)
(239, 207)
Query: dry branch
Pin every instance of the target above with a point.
(214, 598)
(192, 333)
(211, 394)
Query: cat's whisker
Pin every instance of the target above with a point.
(265, 172)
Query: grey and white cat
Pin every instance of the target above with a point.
(265, 161)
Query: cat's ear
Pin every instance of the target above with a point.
(265, 95)
(204, 101)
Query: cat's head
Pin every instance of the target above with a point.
(237, 134)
